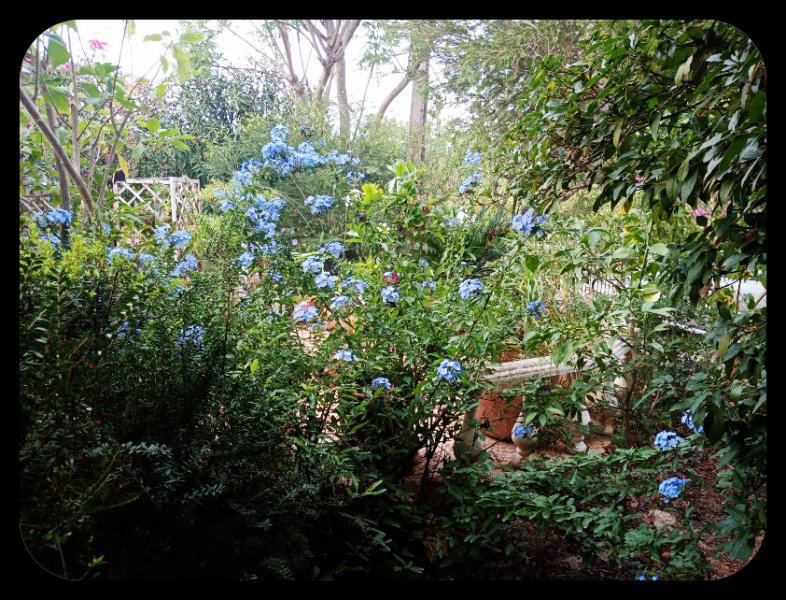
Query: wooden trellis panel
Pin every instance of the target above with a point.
(174, 200)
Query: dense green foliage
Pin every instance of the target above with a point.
(278, 393)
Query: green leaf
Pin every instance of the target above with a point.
(689, 184)
(153, 125)
(616, 135)
(191, 37)
(562, 353)
(655, 127)
(733, 260)
(682, 172)
(91, 89)
(254, 365)
(58, 98)
(152, 37)
(683, 72)
(161, 90)
(621, 253)
(183, 63)
(757, 106)
(532, 263)
(136, 153)
(57, 51)
(659, 248)
(723, 345)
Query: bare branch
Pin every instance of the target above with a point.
(392, 95)
(51, 137)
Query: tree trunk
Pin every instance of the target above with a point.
(343, 102)
(416, 148)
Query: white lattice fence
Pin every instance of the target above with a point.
(172, 199)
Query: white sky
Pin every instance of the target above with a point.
(141, 58)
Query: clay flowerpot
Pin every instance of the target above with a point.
(500, 413)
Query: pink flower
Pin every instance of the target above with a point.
(98, 44)
(701, 212)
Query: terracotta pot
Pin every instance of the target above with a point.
(500, 413)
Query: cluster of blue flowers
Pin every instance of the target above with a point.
(335, 249)
(53, 239)
(536, 309)
(161, 233)
(305, 312)
(192, 337)
(245, 260)
(527, 223)
(666, 440)
(470, 287)
(345, 355)
(318, 204)
(189, 263)
(119, 251)
(339, 302)
(146, 260)
(469, 181)
(244, 176)
(687, 420)
(353, 283)
(312, 264)
(645, 578)
(381, 382)
(324, 279)
(472, 158)
(390, 294)
(123, 333)
(428, 284)
(180, 238)
(672, 488)
(283, 158)
(522, 431)
(449, 370)
(54, 217)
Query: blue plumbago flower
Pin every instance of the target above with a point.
(225, 204)
(449, 370)
(312, 264)
(536, 308)
(145, 259)
(305, 312)
(245, 175)
(527, 223)
(275, 149)
(189, 263)
(671, 488)
(269, 210)
(275, 275)
(119, 251)
(339, 301)
(180, 238)
(470, 287)
(161, 232)
(51, 238)
(319, 325)
(334, 248)
(355, 176)
(267, 227)
(192, 337)
(245, 260)
(306, 156)
(355, 161)
(123, 333)
(472, 158)
(423, 262)
(295, 242)
(59, 216)
(469, 182)
(107, 228)
(345, 355)
(390, 294)
(522, 431)
(687, 420)
(645, 578)
(325, 280)
(358, 285)
(268, 249)
(279, 132)
(318, 204)
(666, 440)
(337, 158)
(381, 382)
(428, 284)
